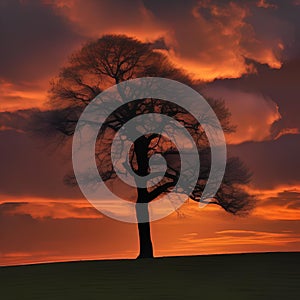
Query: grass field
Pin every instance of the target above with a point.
(236, 276)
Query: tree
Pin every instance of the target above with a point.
(116, 58)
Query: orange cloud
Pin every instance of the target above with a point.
(14, 97)
(279, 212)
(209, 40)
(265, 4)
(252, 113)
(287, 131)
(221, 43)
(55, 209)
(280, 203)
(232, 241)
(95, 18)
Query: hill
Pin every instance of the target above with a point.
(231, 276)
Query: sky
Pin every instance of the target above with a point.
(247, 52)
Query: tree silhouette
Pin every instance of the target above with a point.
(116, 58)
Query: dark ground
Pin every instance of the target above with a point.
(236, 276)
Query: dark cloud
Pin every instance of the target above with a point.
(43, 208)
(17, 120)
(273, 163)
(278, 23)
(34, 40)
(282, 86)
(33, 167)
(285, 198)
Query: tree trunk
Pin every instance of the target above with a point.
(145, 242)
(142, 212)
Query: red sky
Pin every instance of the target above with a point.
(248, 52)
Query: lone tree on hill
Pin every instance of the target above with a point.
(116, 58)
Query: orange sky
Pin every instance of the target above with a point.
(247, 51)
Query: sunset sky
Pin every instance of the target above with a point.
(247, 51)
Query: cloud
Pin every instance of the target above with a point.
(209, 39)
(34, 40)
(43, 208)
(95, 18)
(273, 163)
(32, 167)
(19, 120)
(252, 114)
(285, 131)
(15, 96)
(219, 41)
(265, 4)
(244, 237)
(281, 86)
(284, 205)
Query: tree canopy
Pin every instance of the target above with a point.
(112, 59)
